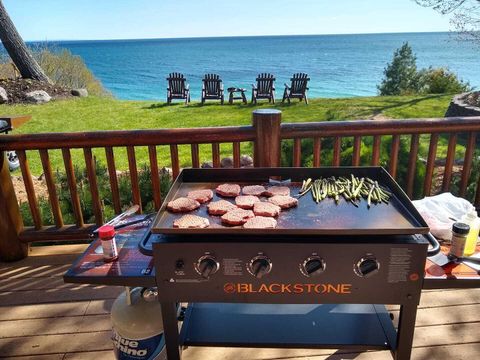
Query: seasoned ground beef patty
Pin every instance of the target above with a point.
(278, 190)
(237, 216)
(260, 222)
(190, 221)
(183, 204)
(255, 190)
(202, 196)
(220, 207)
(266, 209)
(228, 190)
(284, 202)
(246, 201)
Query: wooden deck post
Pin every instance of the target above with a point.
(11, 224)
(267, 131)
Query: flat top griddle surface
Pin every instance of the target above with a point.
(308, 218)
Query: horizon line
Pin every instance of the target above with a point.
(245, 36)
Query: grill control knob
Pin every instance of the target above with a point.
(207, 265)
(367, 266)
(313, 266)
(259, 266)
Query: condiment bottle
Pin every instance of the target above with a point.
(459, 238)
(107, 235)
(473, 221)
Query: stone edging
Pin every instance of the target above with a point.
(458, 107)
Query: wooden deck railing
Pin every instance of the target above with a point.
(267, 135)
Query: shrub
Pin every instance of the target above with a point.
(401, 74)
(68, 70)
(441, 81)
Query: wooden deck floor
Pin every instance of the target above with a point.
(41, 318)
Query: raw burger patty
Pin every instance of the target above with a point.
(284, 202)
(228, 190)
(202, 196)
(237, 216)
(255, 190)
(191, 221)
(183, 204)
(260, 222)
(246, 201)
(278, 190)
(266, 209)
(220, 207)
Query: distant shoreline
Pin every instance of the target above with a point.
(232, 37)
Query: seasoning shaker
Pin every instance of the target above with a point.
(107, 235)
(459, 238)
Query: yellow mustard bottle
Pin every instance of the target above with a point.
(473, 221)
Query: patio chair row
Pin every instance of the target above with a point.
(212, 88)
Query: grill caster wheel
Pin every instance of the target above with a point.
(181, 313)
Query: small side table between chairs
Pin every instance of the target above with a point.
(232, 91)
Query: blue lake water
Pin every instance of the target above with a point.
(338, 65)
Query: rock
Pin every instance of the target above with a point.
(207, 165)
(227, 162)
(3, 96)
(37, 97)
(246, 161)
(79, 92)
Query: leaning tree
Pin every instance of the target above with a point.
(466, 15)
(18, 51)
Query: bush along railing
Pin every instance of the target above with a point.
(85, 188)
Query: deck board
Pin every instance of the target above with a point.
(42, 318)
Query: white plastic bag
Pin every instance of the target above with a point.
(441, 211)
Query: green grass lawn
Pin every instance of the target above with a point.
(110, 114)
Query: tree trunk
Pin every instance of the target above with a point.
(17, 49)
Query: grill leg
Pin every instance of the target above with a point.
(406, 328)
(170, 330)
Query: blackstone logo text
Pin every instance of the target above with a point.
(279, 288)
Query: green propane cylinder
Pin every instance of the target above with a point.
(137, 326)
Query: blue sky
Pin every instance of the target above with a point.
(133, 19)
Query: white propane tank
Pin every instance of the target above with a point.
(137, 326)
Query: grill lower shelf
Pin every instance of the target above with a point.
(359, 326)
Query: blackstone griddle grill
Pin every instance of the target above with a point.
(321, 279)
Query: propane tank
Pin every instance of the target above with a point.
(137, 326)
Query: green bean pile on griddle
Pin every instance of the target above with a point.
(352, 189)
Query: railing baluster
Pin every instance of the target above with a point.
(377, 139)
(27, 181)
(467, 163)
(195, 156)
(412, 163)
(392, 168)
(52, 190)
(132, 169)
(157, 194)
(216, 155)
(337, 146)
(297, 152)
(236, 154)
(174, 157)
(477, 194)
(112, 175)
(92, 182)
(357, 146)
(432, 154)
(72, 186)
(317, 149)
(447, 175)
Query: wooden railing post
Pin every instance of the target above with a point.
(11, 224)
(267, 137)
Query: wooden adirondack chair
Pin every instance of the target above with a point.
(297, 89)
(177, 88)
(212, 88)
(265, 88)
